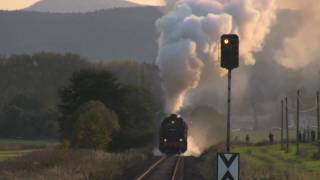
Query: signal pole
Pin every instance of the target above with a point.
(287, 126)
(318, 122)
(281, 123)
(229, 109)
(298, 114)
(229, 60)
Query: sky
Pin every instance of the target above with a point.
(149, 2)
(15, 4)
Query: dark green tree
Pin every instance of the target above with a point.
(86, 85)
(136, 74)
(137, 115)
(28, 92)
(134, 106)
(24, 117)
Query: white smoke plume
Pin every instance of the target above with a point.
(302, 48)
(190, 33)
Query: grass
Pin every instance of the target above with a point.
(19, 144)
(8, 154)
(269, 162)
(12, 148)
(43, 159)
(69, 164)
(261, 135)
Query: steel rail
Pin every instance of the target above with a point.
(176, 168)
(151, 168)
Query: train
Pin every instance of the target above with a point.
(173, 135)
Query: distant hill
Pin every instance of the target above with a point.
(123, 33)
(65, 6)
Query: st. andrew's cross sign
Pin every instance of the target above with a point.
(228, 166)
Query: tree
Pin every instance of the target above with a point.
(86, 85)
(136, 74)
(137, 116)
(134, 106)
(28, 92)
(24, 117)
(94, 126)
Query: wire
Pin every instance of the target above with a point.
(302, 111)
(309, 110)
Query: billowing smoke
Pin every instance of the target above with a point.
(178, 81)
(303, 47)
(189, 39)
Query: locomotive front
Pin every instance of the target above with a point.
(173, 135)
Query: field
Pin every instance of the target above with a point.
(12, 148)
(29, 159)
(270, 162)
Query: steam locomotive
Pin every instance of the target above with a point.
(173, 135)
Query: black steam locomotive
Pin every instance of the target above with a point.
(173, 135)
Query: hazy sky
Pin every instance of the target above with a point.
(149, 2)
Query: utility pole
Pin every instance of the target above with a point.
(281, 124)
(287, 126)
(298, 114)
(255, 119)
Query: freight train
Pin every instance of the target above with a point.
(173, 135)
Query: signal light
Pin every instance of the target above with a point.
(226, 41)
(229, 51)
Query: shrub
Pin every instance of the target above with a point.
(94, 126)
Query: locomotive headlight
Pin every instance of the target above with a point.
(172, 122)
(164, 140)
(180, 139)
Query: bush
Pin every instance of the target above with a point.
(94, 126)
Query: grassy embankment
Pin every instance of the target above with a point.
(270, 162)
(22, 159)
(261, 161)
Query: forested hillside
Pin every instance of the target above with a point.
(124, 33)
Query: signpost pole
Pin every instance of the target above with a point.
(282, 124)
(298, 114)
(287, 126)
(318, 121)
(229, 108)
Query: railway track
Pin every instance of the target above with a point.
(166, 168)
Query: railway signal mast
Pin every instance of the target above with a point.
(229, 163)
(229, 61)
